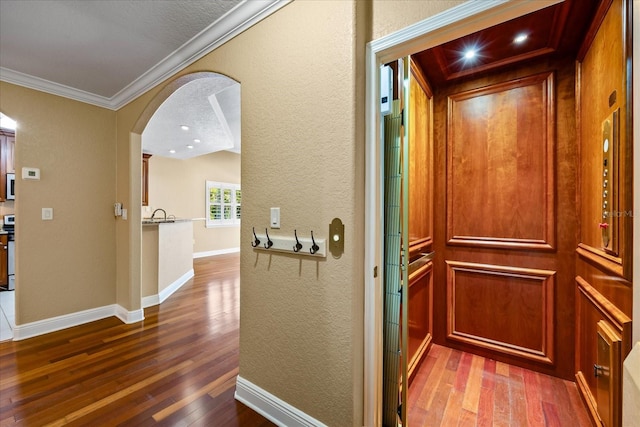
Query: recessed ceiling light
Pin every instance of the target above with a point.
(196, 140)
(189, 146)
(172, 151)
(184, 127)
(520, 38)
(470, 54)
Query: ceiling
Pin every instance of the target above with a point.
(556, 30)
(109, 52)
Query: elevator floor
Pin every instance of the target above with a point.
(453, 388)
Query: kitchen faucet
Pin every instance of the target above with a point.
(154, 213)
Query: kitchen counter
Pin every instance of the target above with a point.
(156, 221)
(167, 258)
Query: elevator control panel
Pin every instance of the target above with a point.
(608, 224)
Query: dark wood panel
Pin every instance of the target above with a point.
(420, 164)
(561, 259)
(602, 91)
(501, 151)
(7, 148)
(603, 265)
(4, 266)
(555, 30)
(420, 323)
(177, 367)
(504, 308)
(592, 308)
(145, 179)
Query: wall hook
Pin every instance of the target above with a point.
(298, 245)
(314, 246)
(256, 241)
(269, 241)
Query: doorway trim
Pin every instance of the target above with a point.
(451, 24)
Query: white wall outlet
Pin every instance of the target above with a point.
(275, 218)
(124, 214)
(47, 214)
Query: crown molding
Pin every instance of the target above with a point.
(42, 85)
(234, 22)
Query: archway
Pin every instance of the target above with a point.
(221, 94)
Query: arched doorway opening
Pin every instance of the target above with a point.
(188, 136)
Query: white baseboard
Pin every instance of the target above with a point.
(57, 323)
(271, 407)
(217, 252)
(156, 299)
(129, 316)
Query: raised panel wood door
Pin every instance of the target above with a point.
(506, 219)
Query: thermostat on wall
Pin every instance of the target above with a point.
(30, 173)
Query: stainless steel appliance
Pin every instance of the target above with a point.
(11, 186)
(9, 223)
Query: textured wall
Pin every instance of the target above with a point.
(389, 16)
(178, 186)
(302, 75)
(68, 264)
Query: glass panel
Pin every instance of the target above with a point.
(227, 195)
(238, 209)
(238, 196)
(227, 212)
(215, 212)
(214, 195)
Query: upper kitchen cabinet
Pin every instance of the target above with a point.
(7, 145)
(145, 179)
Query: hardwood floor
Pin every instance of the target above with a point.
(176, 368)
(453, 388)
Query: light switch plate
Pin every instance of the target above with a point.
(47, 214)
(31, 173)
(275, 218)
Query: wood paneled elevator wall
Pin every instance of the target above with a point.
(605, 246)
(532, 213)
(505, 235)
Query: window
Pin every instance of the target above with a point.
(224, 204)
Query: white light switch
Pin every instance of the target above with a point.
(47, 214)
(275, 218)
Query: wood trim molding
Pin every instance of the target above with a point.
(593, 29)
(600, 258)
(546, 278)
(511, 60)
(547, 241)
(417, 74)
(613, 314)
(588, 399)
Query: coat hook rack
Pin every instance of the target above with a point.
(290, 244)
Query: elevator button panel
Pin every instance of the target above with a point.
(608, 224)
